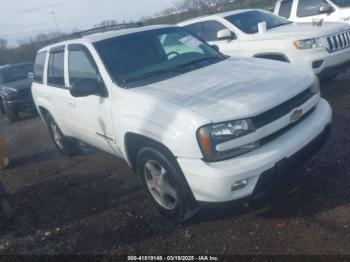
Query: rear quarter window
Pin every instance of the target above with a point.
(39, 66)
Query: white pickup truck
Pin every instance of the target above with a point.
(194, 125)
(311, 10)
(325, 49)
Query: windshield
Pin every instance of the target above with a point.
(153, 53)
(15, 73)
(248, 21)
(341, 3)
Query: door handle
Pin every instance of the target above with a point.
(72, 103)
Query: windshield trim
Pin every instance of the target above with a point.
(121, 83)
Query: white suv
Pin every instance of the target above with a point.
(194, 125)
(309, 10)
(324, 49)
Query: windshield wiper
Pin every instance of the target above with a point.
(170, 70)
(150, 74)
(199, 60)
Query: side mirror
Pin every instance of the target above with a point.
(215, 47)
(225, 34)
(86, 87)
(30, 75)
(326, 9)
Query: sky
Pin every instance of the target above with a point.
(24, 18)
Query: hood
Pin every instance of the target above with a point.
(301, 31)
(19, 85)
(233, 89)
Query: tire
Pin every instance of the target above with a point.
(6, 211)
(65, 145)
(165, 184)
(11, 115)
(2, 110)
(329, 78)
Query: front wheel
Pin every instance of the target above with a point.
(66, 146)
(165, 185)
(2, 110)
(11, 115)
(6, 210)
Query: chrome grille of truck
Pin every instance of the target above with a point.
(338, 41)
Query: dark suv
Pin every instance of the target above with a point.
(15, 90)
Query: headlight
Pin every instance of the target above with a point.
(211, 136)
(316, 87)
(309, 43)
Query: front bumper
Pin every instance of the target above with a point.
(214, 182)
(20, 105)
(328, 72)
(323, 63)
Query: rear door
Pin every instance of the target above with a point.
(91, 115)
(56, 92)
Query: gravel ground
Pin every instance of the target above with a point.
(92, 204)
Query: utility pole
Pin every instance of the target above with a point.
(55, 21)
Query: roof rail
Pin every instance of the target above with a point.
(106, 29)
(94, 31)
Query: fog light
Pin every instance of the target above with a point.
(239, 185)
(317, 64)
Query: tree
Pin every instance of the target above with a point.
(3, 44)
(106, 23)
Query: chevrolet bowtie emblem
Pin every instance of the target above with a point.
(296, 115)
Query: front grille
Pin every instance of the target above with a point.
(283, 109)
(338, 41)
(285, 129)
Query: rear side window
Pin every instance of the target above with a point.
(81, 65)
(56, 68)
(211, 29)
(196, 29)
(39, 67)
(285, 8)
(309, 7)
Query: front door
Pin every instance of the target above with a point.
(226, 46)
(91, 115)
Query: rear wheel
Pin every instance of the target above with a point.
(165, 185)
(11, 115)
(67, 146)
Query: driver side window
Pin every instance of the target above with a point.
(309, 7)
(81, 65)
(211, 29)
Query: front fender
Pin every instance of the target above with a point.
(181, 144)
